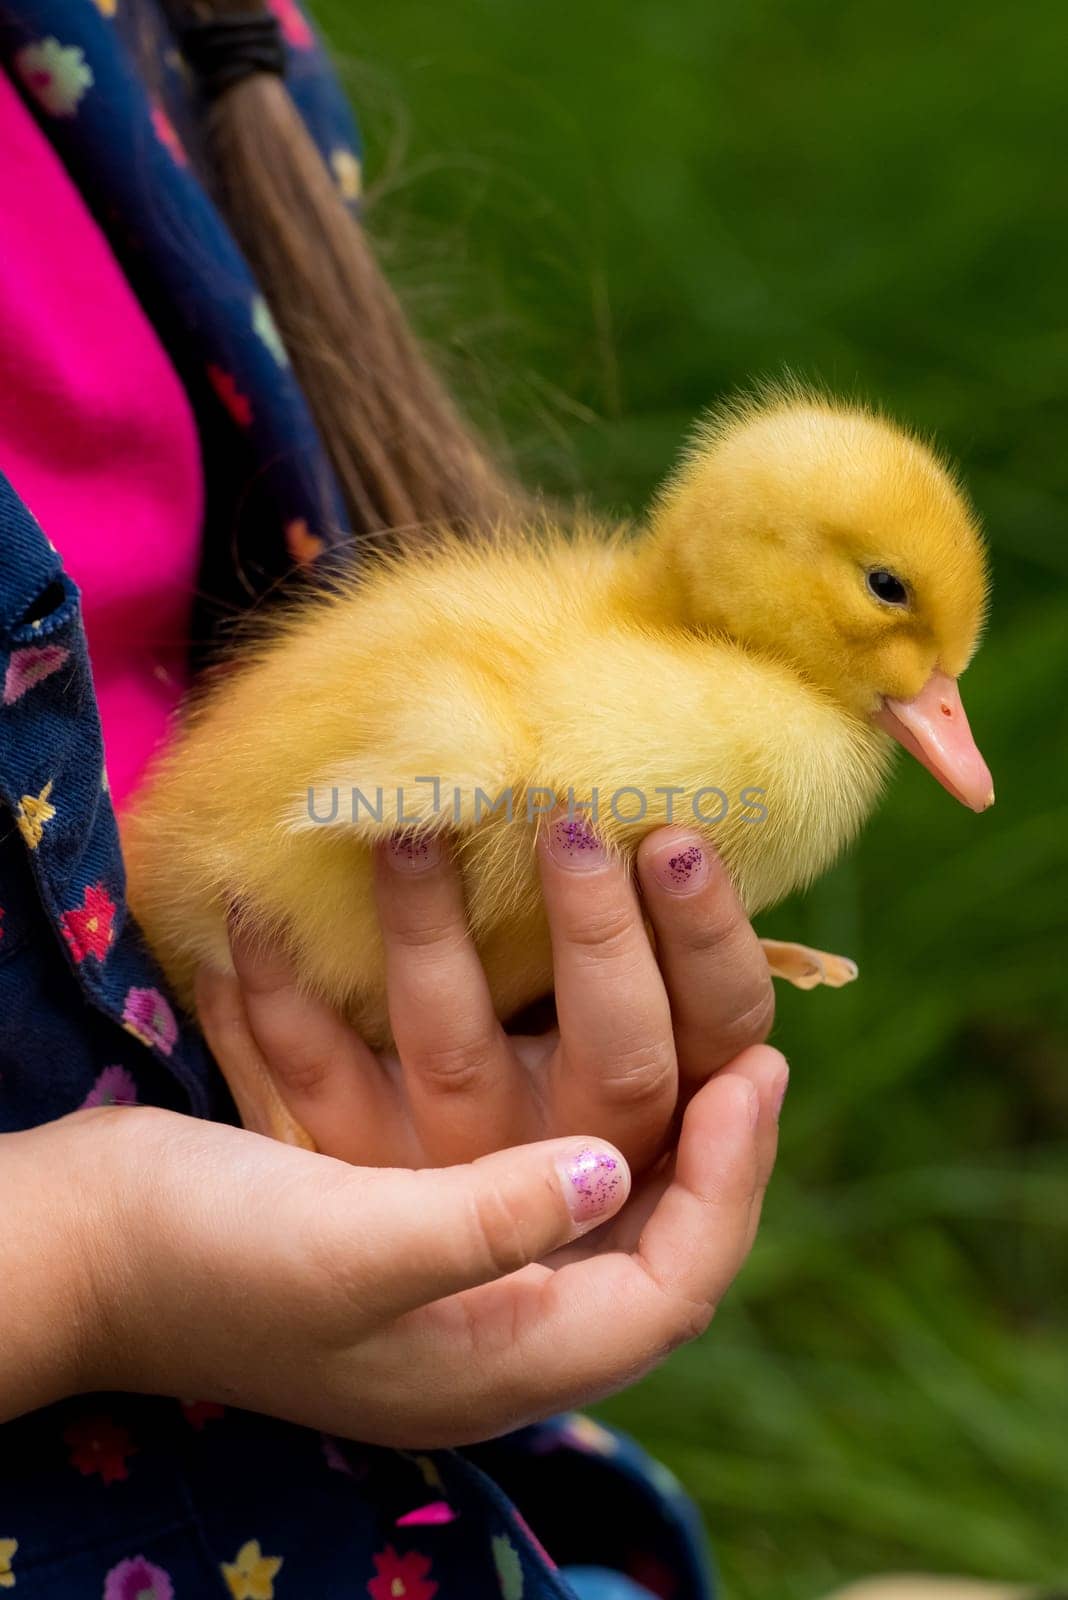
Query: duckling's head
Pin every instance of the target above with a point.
(825, 536)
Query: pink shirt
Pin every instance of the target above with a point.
(98, 438)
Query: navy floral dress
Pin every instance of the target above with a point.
(125, 1497)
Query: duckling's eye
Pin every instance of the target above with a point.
(884, 586)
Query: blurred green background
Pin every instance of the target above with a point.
(603, 217)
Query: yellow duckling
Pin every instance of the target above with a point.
(809, 582)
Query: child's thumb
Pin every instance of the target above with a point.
(452, 1228)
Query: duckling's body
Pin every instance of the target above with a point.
(539, 666)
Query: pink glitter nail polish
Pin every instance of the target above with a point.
(573, 842)
(594, 1182)
(414, 851)
(684, 869)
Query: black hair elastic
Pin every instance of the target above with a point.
(223, 50)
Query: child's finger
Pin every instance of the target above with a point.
(771, 1073)
(284, 1041)
(616, 1064)
(460, 1074)
(421, 1236)
(695, 1241)
(716, 973)
(260, 1105)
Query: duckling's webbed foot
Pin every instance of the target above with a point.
(805, 968)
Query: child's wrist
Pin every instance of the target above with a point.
(53, 1197)
(74, 1195)
(116, 1247)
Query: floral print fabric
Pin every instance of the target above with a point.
(169, 1500)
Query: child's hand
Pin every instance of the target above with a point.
(159, 1254)
(637, 1032)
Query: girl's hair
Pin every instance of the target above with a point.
(403, 455)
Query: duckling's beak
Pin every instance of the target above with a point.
(934, 728)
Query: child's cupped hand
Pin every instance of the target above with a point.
(637, 1034)
(406, 1308)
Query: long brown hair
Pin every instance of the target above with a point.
(404, 456)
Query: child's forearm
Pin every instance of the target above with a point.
(49, 1228)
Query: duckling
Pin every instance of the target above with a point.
(807, 588)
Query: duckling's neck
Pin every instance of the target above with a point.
(648, 584)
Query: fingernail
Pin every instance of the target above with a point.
(415, 851)
(594, 1181)
(573, 843)
(778, 1093)
(682, 866)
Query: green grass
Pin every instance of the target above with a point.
(603, 218)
